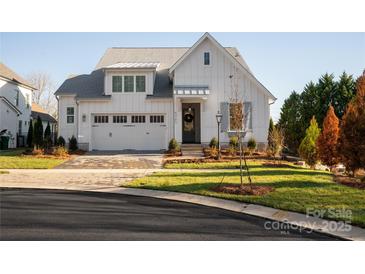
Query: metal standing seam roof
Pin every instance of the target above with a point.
(91, 86)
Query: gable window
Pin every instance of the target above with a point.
(28, 101)
(138, 119)
(140, 83)
(206, 58)
(70, 115)
(128, 83)
(117, 84)
(17, 98)
(101, 119)
(120, 119)
(157, 119)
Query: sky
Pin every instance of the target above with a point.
(282, 62)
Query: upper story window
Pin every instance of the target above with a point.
(17, 97)
(117, 83)
(128, 83)
(140, 83)
(70, 115)
(28, 100)
(157, 119)
(206, 58)
(101, 119)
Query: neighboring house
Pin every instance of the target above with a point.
(140, 98)
(15, 105)
(46, 118)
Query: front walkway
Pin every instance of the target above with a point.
(114, 160)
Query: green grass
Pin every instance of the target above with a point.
(296, 189)
(14, 159)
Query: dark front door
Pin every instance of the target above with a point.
(191, 123)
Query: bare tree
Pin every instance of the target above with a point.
(276, 138)
(44, 95)
(237, 115)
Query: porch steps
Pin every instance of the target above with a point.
(192, 150)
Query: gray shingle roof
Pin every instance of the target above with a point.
(92, 85)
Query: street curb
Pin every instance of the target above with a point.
(294, 219)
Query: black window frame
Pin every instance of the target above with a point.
(120, 119)
(206, 58)
(133, 82)
(157, 119)
(101, 119)
(138, 119)
(144, 83)
(120, 84)
(70, 115)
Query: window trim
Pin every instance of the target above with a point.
(120, 119)
(101, 119)
(134, 84)
(145, 80)
(122, 86)
(209, 58)
(157, 119)
(138, 121)
(70, 115)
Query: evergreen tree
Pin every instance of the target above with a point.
(310, 105)
(47, 136)
(307, 148)
(352, 130)
(30, 134)
(38, 132)
(327, 140)
(290, 121)
(327, 88)
(345, 92)
(269, 140)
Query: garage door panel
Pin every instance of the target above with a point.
(121, 136)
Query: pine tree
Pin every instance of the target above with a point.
(307, 148)
(290, 122)
(47, 136)
(327, 140)
(271, 127)
(30, 134)
(352, 130)
(345, 92)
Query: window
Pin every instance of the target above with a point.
(101, 119)
(140, 83)
(206, 58)
(28, 101)
(120, 119)
(157, 119)
(17, 98)
(128, 83)
(70, 115)
(235, 116)
(117, 83)
(138, 119)
(20, 128)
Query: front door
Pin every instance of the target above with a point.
(191, 123)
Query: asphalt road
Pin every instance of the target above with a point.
(34, 214)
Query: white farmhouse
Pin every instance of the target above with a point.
(140, 98)
(15, 106)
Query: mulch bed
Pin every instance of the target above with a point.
(244, 190)
(349, 181)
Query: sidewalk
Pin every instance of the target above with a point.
(289, 218)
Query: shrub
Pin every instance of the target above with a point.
(232, 150)
(233, 142)
(61, 141)
(72, 146)
(213, 152)
(251, 145)
(37, 151)
(213, 143)
(174, 145)
(276, 142)
(307, 148)
(30, 134)
(60, 151)
(38, 133)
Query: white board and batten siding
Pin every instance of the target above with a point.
(216, 76)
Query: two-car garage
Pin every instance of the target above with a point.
(128, 131)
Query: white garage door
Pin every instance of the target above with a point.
(124, 133)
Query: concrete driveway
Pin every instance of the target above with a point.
(115, 160)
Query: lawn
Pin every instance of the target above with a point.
(15, 159)
(296, 189)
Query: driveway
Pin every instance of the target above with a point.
(114, 160)
(30, 214)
